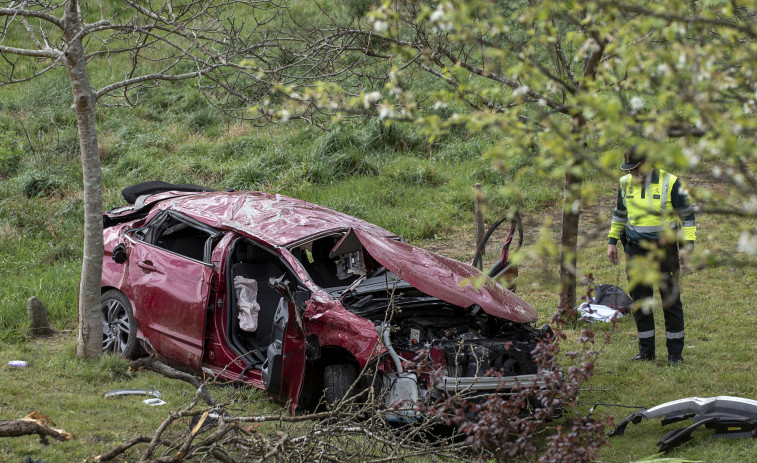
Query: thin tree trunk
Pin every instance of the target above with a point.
(572, 197)
(569, 239)
(89, 343)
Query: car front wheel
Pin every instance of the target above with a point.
(337, 379)
(119, 326)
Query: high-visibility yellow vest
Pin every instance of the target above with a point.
(648, 208)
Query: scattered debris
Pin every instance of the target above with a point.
(29, 460)
(17, 363)
(123, 392)
(598, 313)
(728, 416)
(154, 402)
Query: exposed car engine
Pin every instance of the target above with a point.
(466, 341)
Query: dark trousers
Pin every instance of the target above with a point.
(670, 293)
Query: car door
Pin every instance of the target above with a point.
(279, 338)
(284, 368)
(169, 282)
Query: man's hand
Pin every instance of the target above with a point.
(612, 253)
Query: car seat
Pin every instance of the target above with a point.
(256, 264)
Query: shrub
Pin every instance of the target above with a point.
(201, 120)
(36, 183)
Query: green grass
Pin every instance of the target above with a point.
(389, 175)
(70, 391)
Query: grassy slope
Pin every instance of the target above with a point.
(388, 176)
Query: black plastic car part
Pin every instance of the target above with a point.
(501, 265)
(137, 195)
(728, 416)
(131, 193)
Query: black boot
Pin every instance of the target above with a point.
(675, 359)
(646, 350)
(675, 349)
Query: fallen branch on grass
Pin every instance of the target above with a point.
(354, 430)
(33, 423)
(153, 364)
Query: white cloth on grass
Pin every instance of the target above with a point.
(597, 313)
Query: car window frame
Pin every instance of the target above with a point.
(147, 234)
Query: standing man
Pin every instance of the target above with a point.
(645, 220)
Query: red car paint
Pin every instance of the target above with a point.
(274, 219)
(447, 279)
(181, 304)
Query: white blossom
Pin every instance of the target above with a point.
(385, 112)
(440, 105)
(750, 206)
(748, 242)
(437, 15)
(380, 25)
(371, 98)
(284, 115)
(575, 206)
(681, 60)
(691, 156)
(637, 103)
(522, 90)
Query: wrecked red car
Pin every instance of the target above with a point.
(296, 299)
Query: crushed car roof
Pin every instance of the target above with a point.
(277, 219)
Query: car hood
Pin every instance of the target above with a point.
(447, 279)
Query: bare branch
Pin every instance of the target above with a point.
(47, 53)
(146, 78)
(32, 14)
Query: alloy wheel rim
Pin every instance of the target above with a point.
(115, 326)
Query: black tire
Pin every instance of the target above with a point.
(337, 380)
(119, 326)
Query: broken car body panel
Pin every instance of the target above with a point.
(728, 416)
(445, 278)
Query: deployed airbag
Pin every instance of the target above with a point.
(247, 304)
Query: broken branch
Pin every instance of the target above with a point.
(33, 423)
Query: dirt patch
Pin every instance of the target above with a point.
(239, 130)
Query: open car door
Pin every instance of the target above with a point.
(284, 367)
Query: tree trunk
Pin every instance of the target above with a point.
(89, 343)
(569, 239)
(572, 198)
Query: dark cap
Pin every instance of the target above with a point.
(633, 158)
